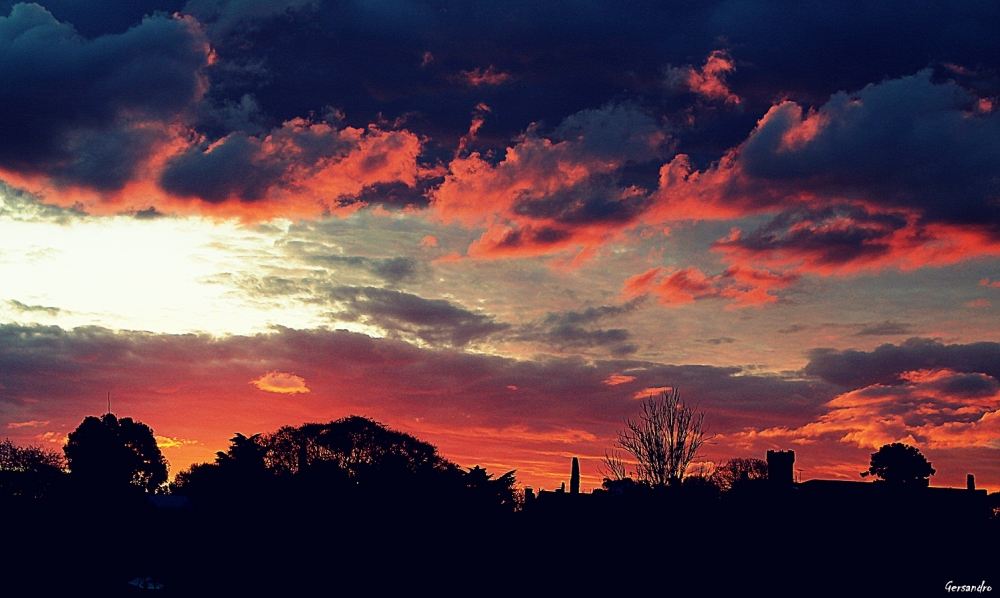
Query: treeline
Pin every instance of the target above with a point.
(354, 458)
(351, 459)
(353, 506)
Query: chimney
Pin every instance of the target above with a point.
(574, 479)
(970, 482)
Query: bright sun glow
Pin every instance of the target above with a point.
(163, 275)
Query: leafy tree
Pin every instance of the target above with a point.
(740, 471)
(899, 463)
(360, 446)
(663, 442)
(499, 492)
(27, 471)
(114, 454)
(350, 457)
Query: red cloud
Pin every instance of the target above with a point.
(940, 409)
(281, 383)
(709, 81)
(490, 76)
(547, 195)
(740, 285)
(303, 168)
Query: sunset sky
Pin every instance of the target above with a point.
(498, 226)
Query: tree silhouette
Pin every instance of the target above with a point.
(498, 492)
(739, 471)
(664, 440)
(115, 454)
(360, 446)
(899, 463)
(27, 471)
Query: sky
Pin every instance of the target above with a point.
(501, 226)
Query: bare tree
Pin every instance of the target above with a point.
(613, 467)
(664, 440)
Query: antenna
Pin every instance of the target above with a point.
(109, 402)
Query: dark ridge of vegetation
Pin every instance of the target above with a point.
(351, 506)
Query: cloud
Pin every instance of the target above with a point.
(551, 194)
(937, 409)
(887, 363)
(24, 308)
(162, 379)
(575, 329)
(166, 442)
(434, 321)
(390, 269)
(281, 383)
(91, 113)
(616, 379)
(226, 17)
(741, 286)
(27, 424)
(302, 162)
(489, 76)
(896, 174)
(709, 81)
(886, 328)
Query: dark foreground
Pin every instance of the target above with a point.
(652, 545)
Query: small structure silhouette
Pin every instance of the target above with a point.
(781, 467)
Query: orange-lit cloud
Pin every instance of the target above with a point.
(709, 81)
(742, 286)
(846, 194)
(489, 76)
(646, 393)
(547, 194)
(27, 424)
(938, 409)
(281, 382)
(616, 379)
(166, 442)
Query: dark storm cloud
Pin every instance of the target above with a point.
(395, 195)
(574, 56)
(87, 112)
(904, 143)
(590, 202)
(434, 321)
(89, 108)
(852, 368)
(95, 18)
(232, 168)
(827, 237)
